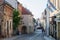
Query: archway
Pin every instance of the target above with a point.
(24, 29)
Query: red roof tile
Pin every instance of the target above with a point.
(25, 11)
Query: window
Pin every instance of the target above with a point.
(7, 27)
(10, 24)
(5, 10)
(45, 12)
(54, 2)
(1, 2)
(58, 3)
(1, 8)
(0, 29)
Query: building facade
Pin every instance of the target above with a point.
(54, 18)
(44, 18)
(20, 14)
(6, 18)
(28, 20)
(7, 26)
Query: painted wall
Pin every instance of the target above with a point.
(28, 21)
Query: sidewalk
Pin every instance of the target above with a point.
(18, 36)
(11, 38)
(48, 38)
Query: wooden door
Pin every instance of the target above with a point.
(58, 29)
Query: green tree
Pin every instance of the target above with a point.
(16, 19)
(34, 20)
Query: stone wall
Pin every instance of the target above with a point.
(1, 15)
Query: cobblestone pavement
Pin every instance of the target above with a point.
(37, 35)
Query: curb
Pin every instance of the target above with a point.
(48, 38)
(11, 38)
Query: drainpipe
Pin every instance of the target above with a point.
(47, 26)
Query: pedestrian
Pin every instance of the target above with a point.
(43, 31)
(17, 32)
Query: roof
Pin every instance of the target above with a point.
(13, 3)
(25, 11)
(8, 4)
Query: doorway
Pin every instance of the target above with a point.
(24, 29)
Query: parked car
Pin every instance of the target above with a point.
(39, 28)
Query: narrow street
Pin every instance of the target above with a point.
(30, 20)
(37, 35)
(34, 36)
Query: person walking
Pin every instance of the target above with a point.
(43, 31)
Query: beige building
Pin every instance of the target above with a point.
(28, 20)
(7, 26)
(6, 18)
(56, 4)
(43, 20)
(20, 14)
(55, 30)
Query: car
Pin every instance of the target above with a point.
(39, 27)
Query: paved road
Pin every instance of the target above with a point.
(37, 35)
(34, 36)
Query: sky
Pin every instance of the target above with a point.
(35, 6)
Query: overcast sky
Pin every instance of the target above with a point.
(35, 6)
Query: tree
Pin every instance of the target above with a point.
(34, 20)
(16, 19)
